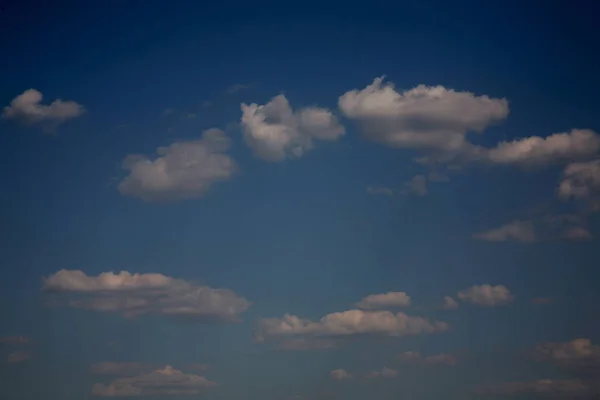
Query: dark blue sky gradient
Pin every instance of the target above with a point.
(301, 236)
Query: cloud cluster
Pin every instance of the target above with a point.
(275, 132)
(347, 323)
(182, 170)
(486, 295)
(162, 382)
(28, 108)
(138, 294)
(384, 300)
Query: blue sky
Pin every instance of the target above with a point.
(308, 201)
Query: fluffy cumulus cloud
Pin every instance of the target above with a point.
(347, 323)
(384, 300)
(28, 108)
(530, 151)
(183, 170)
(275, 132)
(581, 181)
(162, 382)
(425, 117)
(486, 295)
(520, 231)
(413, 357)
(138, 294)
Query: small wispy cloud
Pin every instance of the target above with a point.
(162, 382)
(19, 356)
(380, 191)
(239, 87)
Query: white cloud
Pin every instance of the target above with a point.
(182, 170)
(438, 359)
(162, 382)
(580, 180)
(520, 231)
(275, 132)
(385, 372)
(425, 117)
(340, 375)
(347, 323)
(384, 300)
(486, 295)
(27, 107)
(450, 303)
(138, 294)
(567, 146)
